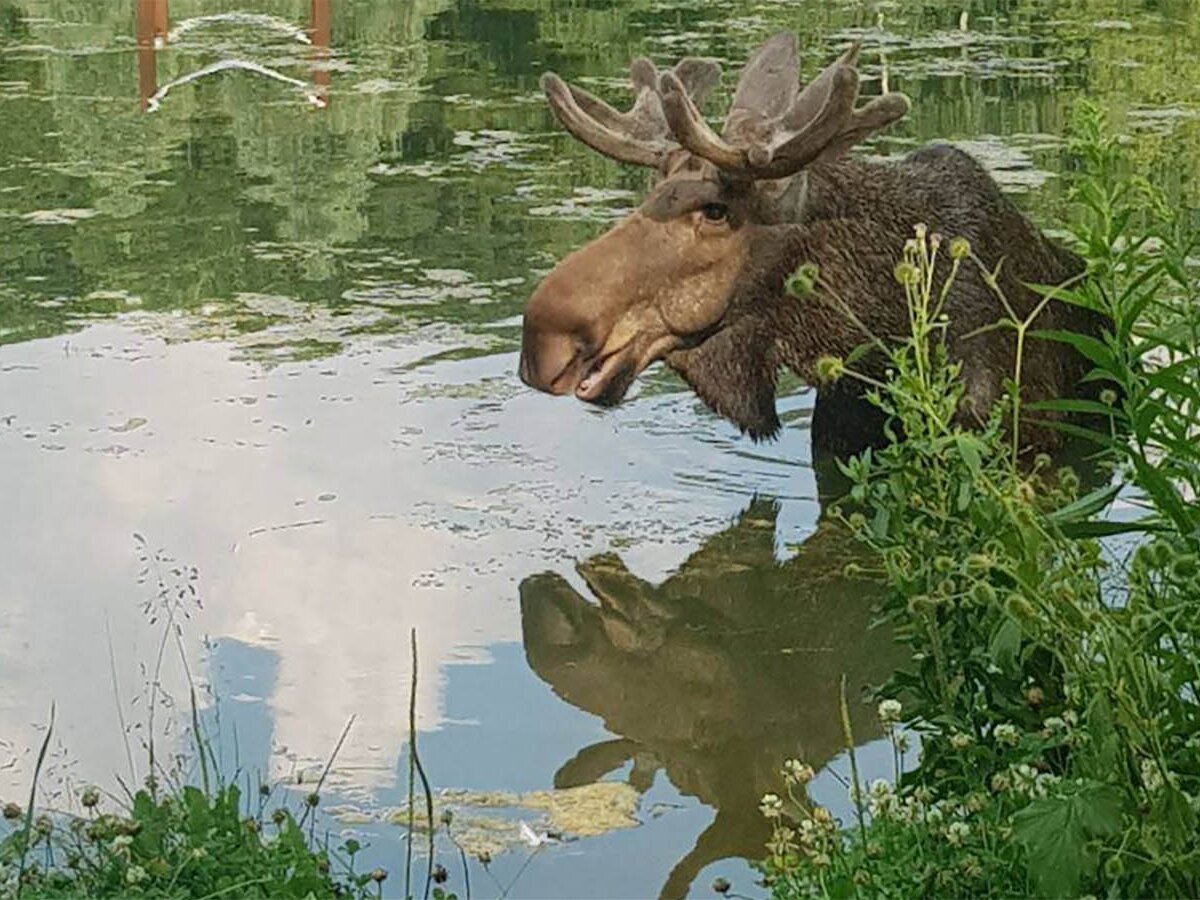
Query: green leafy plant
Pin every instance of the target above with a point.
(1054, 682)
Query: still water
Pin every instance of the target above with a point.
(261, 272)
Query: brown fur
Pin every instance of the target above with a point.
(858, 217)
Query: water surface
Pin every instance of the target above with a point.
(261, 272)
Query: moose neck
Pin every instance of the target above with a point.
(807, 328)
(835, 189)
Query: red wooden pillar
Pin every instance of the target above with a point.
(152, 22)
(320, 30)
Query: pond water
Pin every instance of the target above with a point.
(261, 273)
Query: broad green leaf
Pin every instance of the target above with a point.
(1055, 834)
(969, 447)
(1084, 407)
(1093, 348)
(1081, 530)
(1173, 811)
(1100, 754)
(1087, 505)
(963, 500)
(1005, 644)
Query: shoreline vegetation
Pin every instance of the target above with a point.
(191, 831)
(1054, 683)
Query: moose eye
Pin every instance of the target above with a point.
(715, 212)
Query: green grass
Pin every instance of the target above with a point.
(1055, 674)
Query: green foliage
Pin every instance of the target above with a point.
(1056, 834)
(187, 844)
(1054, 680)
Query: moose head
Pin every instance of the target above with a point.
(669, 281)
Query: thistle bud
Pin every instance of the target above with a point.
(830, 369)
(803, 280)
(1019, 608)
(921, 604)
(906, 273)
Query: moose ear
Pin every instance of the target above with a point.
(734, 373)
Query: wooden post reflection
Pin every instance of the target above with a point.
(152, 25)
(320, 30)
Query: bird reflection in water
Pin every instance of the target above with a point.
(717, 675)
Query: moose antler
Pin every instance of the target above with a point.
(766, 137)
(773, 129)
(640, 136)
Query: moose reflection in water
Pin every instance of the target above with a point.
(717, 675)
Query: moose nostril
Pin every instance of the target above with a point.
(525, 369)
(548, 359)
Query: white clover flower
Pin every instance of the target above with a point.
(934, 815)
(1151, 776)
(1001, 782)
(881, 797)
(1023, 778)
(1006, 733)
(1055, 724)
(889, 711)
(961, 741)
(135, 875)
(796, 772)
(771, 806)
(809, 832)
(1043, 782)
(957, 832)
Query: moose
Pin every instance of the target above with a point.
(696, 276)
